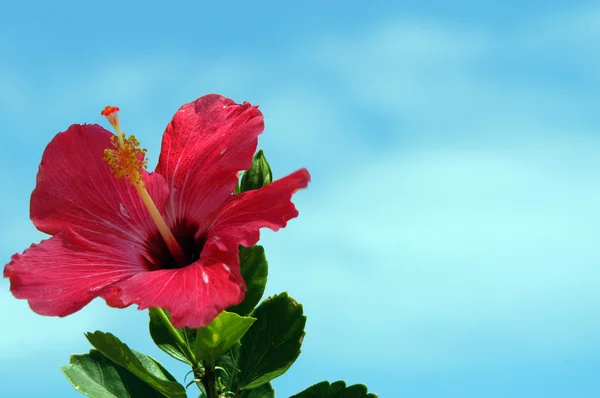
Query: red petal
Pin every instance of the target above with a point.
(62, 274)
(75, 189)
(204, 147)
(239, 219)
(194, 295)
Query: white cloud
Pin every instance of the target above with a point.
(574, 29)
(474, 235)
(432, 251)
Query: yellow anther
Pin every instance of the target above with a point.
(128, 160)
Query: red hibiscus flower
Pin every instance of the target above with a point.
(165, 239)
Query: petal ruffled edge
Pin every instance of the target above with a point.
(238, 220)
(76, 190)
(194, 295)
(203, 148)
(62, 274)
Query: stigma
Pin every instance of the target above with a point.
(112, 114)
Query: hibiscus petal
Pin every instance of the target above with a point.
(204, 147)
(76, 190)
(238, 220)
(62, 274)
(194, 295)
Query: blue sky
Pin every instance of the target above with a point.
(447, 246)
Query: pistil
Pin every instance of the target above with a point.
(127, 160)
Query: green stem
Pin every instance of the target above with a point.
(210, 381)
(177, 336)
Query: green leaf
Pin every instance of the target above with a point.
(163, 339)
(142, 366)
(220, 335)
(258, 175)
(255, 269)
(264, 391)
(96, 376)
(335, 390)
(273, 342)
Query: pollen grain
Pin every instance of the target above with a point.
(128, 160)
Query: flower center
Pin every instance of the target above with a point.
(159, 257)
(127, 160)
